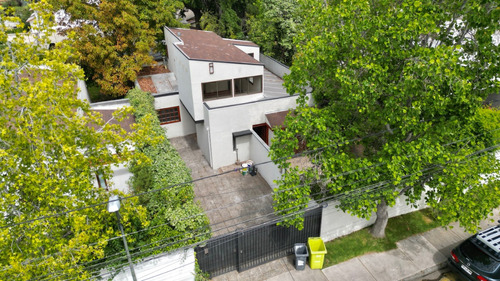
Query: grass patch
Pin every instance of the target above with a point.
(362, 242)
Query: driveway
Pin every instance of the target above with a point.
(230, 200)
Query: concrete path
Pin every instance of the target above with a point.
(414, 258)
(231, 201)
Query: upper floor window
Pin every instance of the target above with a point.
(169, 115)
(248, 85)
(217, 90)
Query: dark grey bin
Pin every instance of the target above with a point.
(301, 254)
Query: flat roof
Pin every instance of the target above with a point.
(107, 116)
(208, 46)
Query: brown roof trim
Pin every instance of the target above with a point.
(241, 42)
(202, 45)
(277, 119)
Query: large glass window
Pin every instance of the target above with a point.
(217, 90)
(248, 85)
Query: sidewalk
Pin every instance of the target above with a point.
(414, 258)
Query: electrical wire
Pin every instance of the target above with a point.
(258, 198)
(181, 184)
(207, 211)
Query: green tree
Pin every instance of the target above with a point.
(397, 88)
(114, 38)
(226, 18)
(51, 147)
(274, 28)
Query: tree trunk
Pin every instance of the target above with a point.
(378, 229)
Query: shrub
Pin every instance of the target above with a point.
(176, 220)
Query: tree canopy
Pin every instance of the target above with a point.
(397, 87)
(51, 147)
(114, 38)
(226, 18)
(274, 27)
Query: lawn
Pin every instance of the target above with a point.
(362, 242)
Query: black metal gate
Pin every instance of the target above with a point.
(243, 250)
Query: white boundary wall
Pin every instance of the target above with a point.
(176, 266)
(259, 153)
(335, 223)
(274, 66)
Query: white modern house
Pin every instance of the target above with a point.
(223, 90)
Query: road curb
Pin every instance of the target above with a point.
(422, 273)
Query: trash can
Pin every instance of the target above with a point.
(318, 251)
(244, 169)
(301, 254)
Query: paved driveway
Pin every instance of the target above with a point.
(231, 201)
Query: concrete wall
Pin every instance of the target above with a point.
(179, 65)
(83, 94)
(176, 266)
(222, 71)
(202, 137)
(112, 104)
(177, 129)
(120, 178)
(250, 50)
(259, 153)
(222, 122)
(274, 66)
(335, 223)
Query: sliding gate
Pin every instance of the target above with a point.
(243, 250)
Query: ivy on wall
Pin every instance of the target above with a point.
(175, 218)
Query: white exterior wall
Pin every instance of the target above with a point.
(173, 56)
(176, 266)
(83, 94)
(119, 179)
(112, 104)
(222, 71)
(121, 176)
(250, 50)
(222, 122)
(179, 65)
(259, 153)
(336, 223)
(274, 66)
(177, 129)
(202, 137)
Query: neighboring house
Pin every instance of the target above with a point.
(121, 174)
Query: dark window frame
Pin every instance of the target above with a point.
(223, 94)
(171, 117)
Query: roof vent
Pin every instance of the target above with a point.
(178, 34)
(491, 237)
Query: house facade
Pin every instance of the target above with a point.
(222, 90)
(227, 88)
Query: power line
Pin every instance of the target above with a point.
(180, 184)
(471, 154)
(378, 186)
(228, 206)
(381, 185)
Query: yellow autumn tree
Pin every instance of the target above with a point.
(53, 221)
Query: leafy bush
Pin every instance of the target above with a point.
(175, 219)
